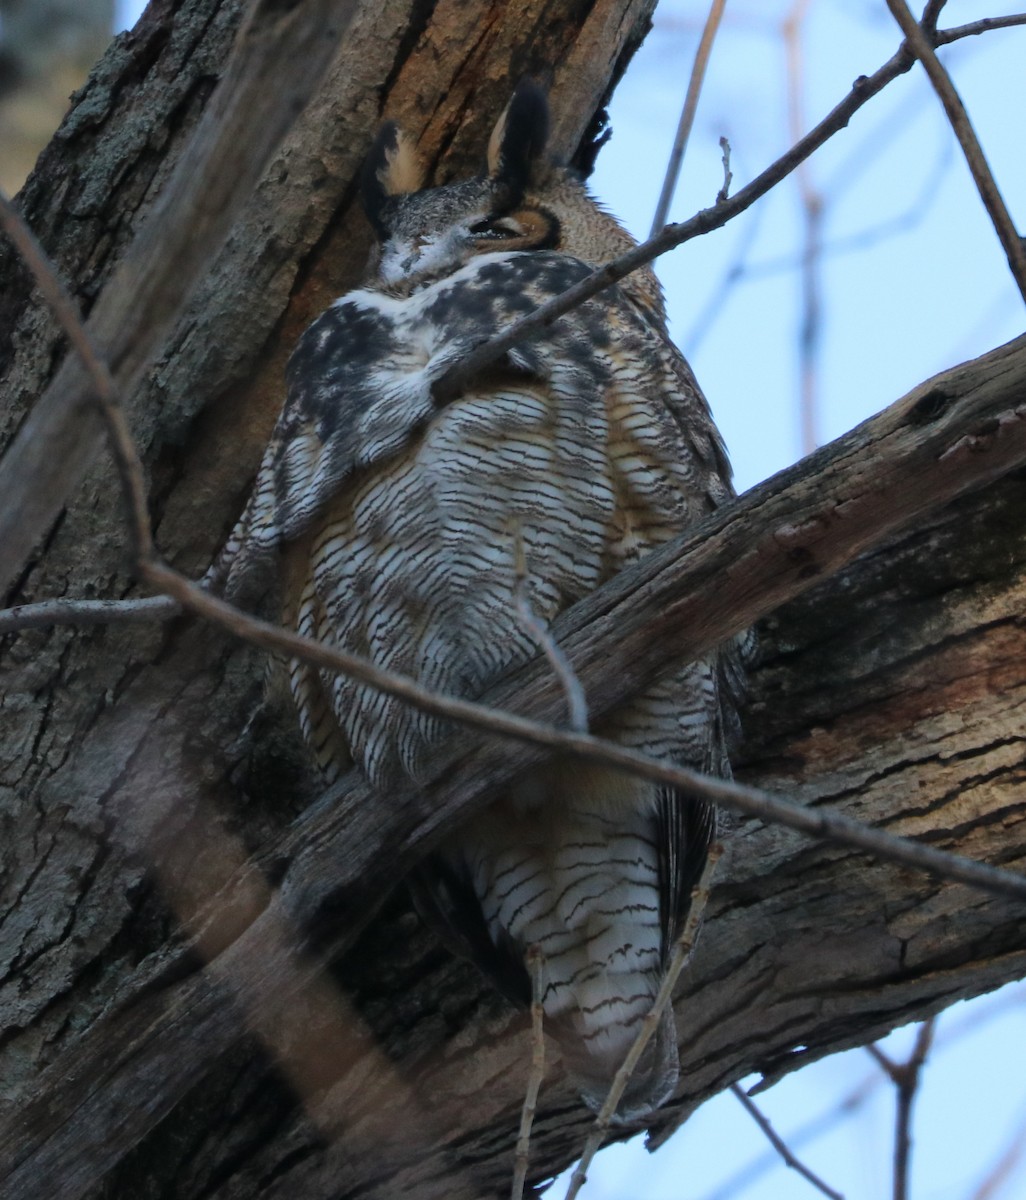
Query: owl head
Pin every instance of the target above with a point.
(427, 233)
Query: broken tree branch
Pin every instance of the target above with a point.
(982, 175)
(687, 116)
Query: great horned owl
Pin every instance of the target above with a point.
(400, 524)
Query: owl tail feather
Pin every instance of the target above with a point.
(593, 1066)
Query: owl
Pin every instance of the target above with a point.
(401, 527)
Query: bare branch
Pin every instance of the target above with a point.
(986, 185)
(724, 192)
(905, 1077)
(780, 1145)
(302, 893)
(744, 1178)
(535, 964)
(776, 542)
(912, 214)
(827, 826)
(332, 861)
(687, 116)
(731, 795)
(931, 15)
(812, 211)
(945, 37)
(485, 353)
(48, 613)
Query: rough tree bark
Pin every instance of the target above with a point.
(140, 764)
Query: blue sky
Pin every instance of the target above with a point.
(895, 311)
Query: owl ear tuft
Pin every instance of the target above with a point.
(392, 168)
(518, 139)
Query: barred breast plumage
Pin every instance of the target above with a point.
(400, 525)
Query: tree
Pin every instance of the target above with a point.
(143, 768)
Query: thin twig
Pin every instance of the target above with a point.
(724, 192)
(862, 155)
(945, 37)
(682, 949)
(986, 185)
(486, 352)
(906, 1097)
(532, 624)
(995, 1179)
(823, 825)
(931, 15)
(745, 1177)
(535, 965)
(812, 210)
(780, 1145)
(687, 116)
(48, 613)
(905, 1077)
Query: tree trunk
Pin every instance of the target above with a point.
(141, 764)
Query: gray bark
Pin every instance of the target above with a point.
(141, 765)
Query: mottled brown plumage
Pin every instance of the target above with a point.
(397, 526)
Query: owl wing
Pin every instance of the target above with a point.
(359, 389)
(444, 896)
(356, 393)
(686, 827)
(689, 408)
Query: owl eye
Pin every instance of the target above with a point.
(497, 227)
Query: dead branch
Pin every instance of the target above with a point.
(687, 116)
(944, 37)
(986, 185)
(905, 1076)
(934, 445)
(338, 850)
(212, 1010)
(826, 826)
(812, 237)
(778, 1143)
(48, 613)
